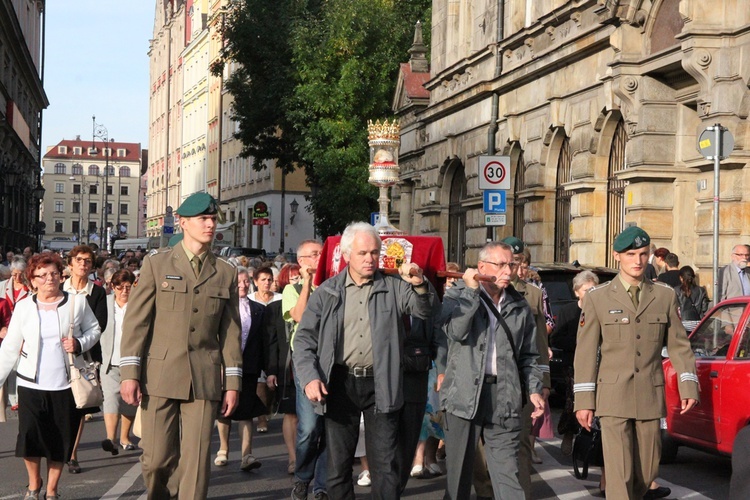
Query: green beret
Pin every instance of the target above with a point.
(514, 243)
(199, 204)
(175, 239)
(631, 238)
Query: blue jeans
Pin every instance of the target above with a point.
(311, 443)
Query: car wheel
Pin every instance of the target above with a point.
(668, 448)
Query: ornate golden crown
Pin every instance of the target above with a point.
(386, 130)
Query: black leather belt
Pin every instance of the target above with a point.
(359, 372)
(490, 379)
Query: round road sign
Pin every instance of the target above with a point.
(494, 172)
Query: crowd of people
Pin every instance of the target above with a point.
(364, 366)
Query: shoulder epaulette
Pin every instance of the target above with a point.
(601, 285)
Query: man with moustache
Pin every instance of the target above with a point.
(181, 357)
(492, 356)
(733, 277)
(622, 329)
(347, 355)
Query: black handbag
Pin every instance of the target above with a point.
(416, 360)
(587, 450)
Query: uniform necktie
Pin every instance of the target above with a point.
(196, 262)
(634, 291)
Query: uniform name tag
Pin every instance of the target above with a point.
(615, 311)
(173, 277)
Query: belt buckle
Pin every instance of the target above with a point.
(359, 371)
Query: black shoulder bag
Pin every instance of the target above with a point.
(506, 328)
(587, 450)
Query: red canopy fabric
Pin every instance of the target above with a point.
(425, 251)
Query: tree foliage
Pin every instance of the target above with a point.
(339, 61)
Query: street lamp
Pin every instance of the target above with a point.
(294, 206)
(38, 194)
(101, 132)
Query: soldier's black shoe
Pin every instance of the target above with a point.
(660, 492)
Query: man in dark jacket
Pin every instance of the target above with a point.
(347, 353)
(485, 372)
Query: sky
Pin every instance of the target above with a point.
(96, 63)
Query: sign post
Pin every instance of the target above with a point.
(494, 180)
(716, 143)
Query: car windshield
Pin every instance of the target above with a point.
(713, 336)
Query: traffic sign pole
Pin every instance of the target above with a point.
(720, 148)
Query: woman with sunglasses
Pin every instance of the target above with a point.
(81, 263)
(114, 406)
(37, 340)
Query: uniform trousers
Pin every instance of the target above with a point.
(501, 443)
(348, 398)
(632, 449)
(176, 440)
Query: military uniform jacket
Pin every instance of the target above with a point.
(179, 330)
(629, 381)
(533, 296)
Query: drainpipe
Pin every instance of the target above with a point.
(492, 129)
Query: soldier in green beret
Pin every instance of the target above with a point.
(180, 353)
(628, 320)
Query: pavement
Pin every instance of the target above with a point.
(694, 475)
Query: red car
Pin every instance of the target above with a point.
(721, 343)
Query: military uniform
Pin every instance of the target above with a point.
(624, 385)
(533, 296)
(181, 340)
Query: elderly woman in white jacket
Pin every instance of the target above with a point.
(38, 335)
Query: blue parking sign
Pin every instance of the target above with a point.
(494, 201)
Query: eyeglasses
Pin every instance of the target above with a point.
(313, 255)
(501, 265)
(746, 255)
(45, 277)
(121, 288)
(293, 279)
(82, 260)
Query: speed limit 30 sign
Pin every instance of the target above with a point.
(494, 172)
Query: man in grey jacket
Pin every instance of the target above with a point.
(347, 356)
(482, 389)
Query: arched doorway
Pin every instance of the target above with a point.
(457, 218)
(562, 204)
(616, 189)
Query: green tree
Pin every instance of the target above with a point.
(257, 34)
(311, 74)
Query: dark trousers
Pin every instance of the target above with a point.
(410, 424)
(348, 398)
(501, 443)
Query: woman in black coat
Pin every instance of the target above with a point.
(563, 337)
(692, 298)
(279, 363)
(250, 406)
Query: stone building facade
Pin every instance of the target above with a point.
(22, 99)
(91, 187)
(599, 104)
(191, 135)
